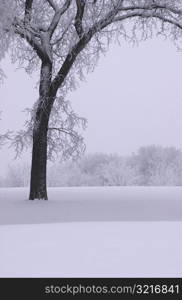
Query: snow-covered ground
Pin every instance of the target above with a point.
(92, 232)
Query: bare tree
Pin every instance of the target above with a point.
(65, 39)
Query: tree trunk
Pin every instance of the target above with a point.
(38, 187)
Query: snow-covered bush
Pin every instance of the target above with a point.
(158, 166)
(150, 166)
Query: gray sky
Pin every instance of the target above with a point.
(133, 98)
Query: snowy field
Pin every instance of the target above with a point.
(92, 232)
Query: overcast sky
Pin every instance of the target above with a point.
(133, 98)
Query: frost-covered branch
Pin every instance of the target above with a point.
(64, 136)
(115, 12)
(5, 137)
(28, 11)
(147, 15)
(64, 132)
(79, 17)
(57, 16)
(53, 4)
(27, 34)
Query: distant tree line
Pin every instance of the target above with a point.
(150, 166)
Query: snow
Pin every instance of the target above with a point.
(92, 232)
(92, 204)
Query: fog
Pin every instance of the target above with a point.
(132, 99)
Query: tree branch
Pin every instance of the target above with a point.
(150, 15)
(29, 37)
(69, 60)
(79, 17)
(53, 5)
(111, 17)
(133, 11)
(153, 6)
(57, 16)
(25, 31)
(63, 130)
(28, 11)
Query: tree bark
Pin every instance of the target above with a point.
(38, 186)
